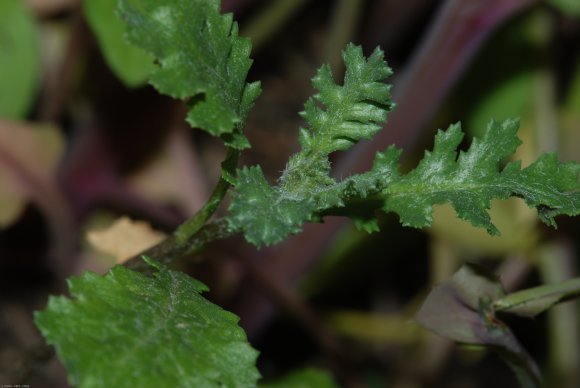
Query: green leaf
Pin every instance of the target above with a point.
(305, 378)
(132, 65)
(338, 117)
(353, 111)
(139, 331)
(273, 215)
(19, 59)
(533, 301)
(470, 181)
(201, 59)
(461, 309)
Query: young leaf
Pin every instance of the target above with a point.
(144, 331)
(353, 111)
(130, 64)
(461, 309)
(201, 58)
(338, 117)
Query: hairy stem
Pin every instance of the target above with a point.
(189, 228)
(172, 248)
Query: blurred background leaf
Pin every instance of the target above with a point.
(130, 63)
(19, 59)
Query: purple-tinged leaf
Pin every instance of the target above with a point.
(461, 309)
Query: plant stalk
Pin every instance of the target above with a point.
(190, 227)
(172, 249)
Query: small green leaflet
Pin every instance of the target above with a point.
(128, 329)
(201, 59)
(350, 112)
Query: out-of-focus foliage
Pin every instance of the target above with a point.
(131, 64)
(569, 7)
(19, 59)
(24, 178)
(462, 309)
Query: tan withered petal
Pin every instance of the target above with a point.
(124, 238)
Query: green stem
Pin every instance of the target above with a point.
(551, 293)
(195, 233)
(191, 226)
(171, 249)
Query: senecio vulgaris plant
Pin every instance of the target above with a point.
(143, 324)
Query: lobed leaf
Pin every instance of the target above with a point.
(129, 329)
(338, 117)
(201, 59)
(263, 212)
(354, 110)
(471, 180)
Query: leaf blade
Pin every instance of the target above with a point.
(470, 182)
(146, 331)
(201, 59)
(338, 117)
